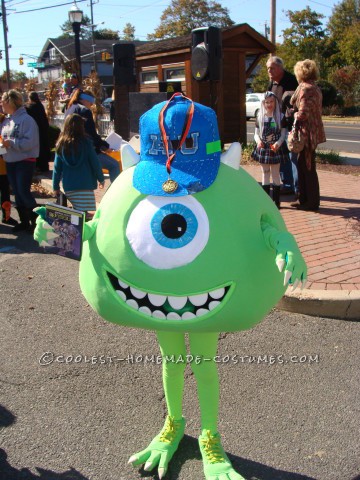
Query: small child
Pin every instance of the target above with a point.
(271, 149)
(77, 165)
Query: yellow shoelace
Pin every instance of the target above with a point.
(213, 448)
(170, 430)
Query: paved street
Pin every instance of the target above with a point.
(97, 401)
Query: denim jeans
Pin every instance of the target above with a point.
(286, 174)
(110, 164)
(20, 176)
(294, 164)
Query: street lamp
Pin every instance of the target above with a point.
(75, 17)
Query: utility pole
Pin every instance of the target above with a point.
(92, 32)
(273, 21)
(3, 11)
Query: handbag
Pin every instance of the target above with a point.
(296, 140)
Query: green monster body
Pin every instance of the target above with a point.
(198, 261)
(236, 256)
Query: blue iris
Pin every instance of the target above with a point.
(174, 225)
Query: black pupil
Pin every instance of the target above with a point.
(173, 225)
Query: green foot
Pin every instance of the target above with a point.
(162, 447)
(217, 465)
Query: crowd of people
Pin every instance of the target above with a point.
(80, 153)
(290, 98)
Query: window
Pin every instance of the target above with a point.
(150, 76)
(177, 73)
(52, 54)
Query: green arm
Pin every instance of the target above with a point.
(44, 234)
(287, 254)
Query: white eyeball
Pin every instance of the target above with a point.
(168, 233)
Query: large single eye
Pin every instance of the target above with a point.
(167, 233)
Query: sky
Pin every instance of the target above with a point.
(28, 30)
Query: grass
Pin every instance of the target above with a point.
(323, 156)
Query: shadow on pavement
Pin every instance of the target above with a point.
(8, 472)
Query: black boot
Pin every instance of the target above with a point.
(32, 219)
(24, 220)
(266, 188)
(10, 221)
(276, 195)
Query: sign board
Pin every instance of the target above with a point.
(36, 65)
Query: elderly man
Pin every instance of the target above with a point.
(283, 84)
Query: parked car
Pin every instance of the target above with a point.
(253, 103)
(106, 103)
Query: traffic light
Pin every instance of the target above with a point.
(21, 61)
(0, 54)
(105, 56)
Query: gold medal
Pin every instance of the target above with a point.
(170, 186)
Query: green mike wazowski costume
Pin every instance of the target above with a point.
(184, 243)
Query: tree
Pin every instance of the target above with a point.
(347, 81)
(182, 16)
(106, 34)
(128, 32)
(15, 76)
(85, 33)
(349, 46)
(304, 39)
(345, 14)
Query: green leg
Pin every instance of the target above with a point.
(164, 445)
(204, 346)
(217, 465)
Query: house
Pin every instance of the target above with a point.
(57, 52)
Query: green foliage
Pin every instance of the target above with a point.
(128, 32)
(345, 14)
(85, 33)
(305, 38)
(329, 92)
(106, 34)
(331, 157)
(15, 76)
(261, 80)
(349, 46)
(182, 16)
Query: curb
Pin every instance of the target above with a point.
(340, 304)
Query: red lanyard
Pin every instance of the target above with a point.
(185, 130)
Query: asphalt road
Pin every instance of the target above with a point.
(340, 137)
(80, 417)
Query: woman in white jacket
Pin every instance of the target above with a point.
(20, 137)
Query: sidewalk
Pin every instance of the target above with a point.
(330, 243)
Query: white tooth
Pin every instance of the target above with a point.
(132, 303)
(188, 316)
(137, 293)
(157, 300)
(158, 314)
(121, 295)
(173, 316)
(177, 302)
(198, 300)
(123, 284)
(201, 311)
(145, 310)
(219, 293)
(213, 305)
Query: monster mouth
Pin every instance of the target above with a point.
(169, 307)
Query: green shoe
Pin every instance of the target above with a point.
(162, 447)
(217, 465)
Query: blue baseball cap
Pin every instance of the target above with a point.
(194, 166)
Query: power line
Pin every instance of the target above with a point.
(52, 6)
